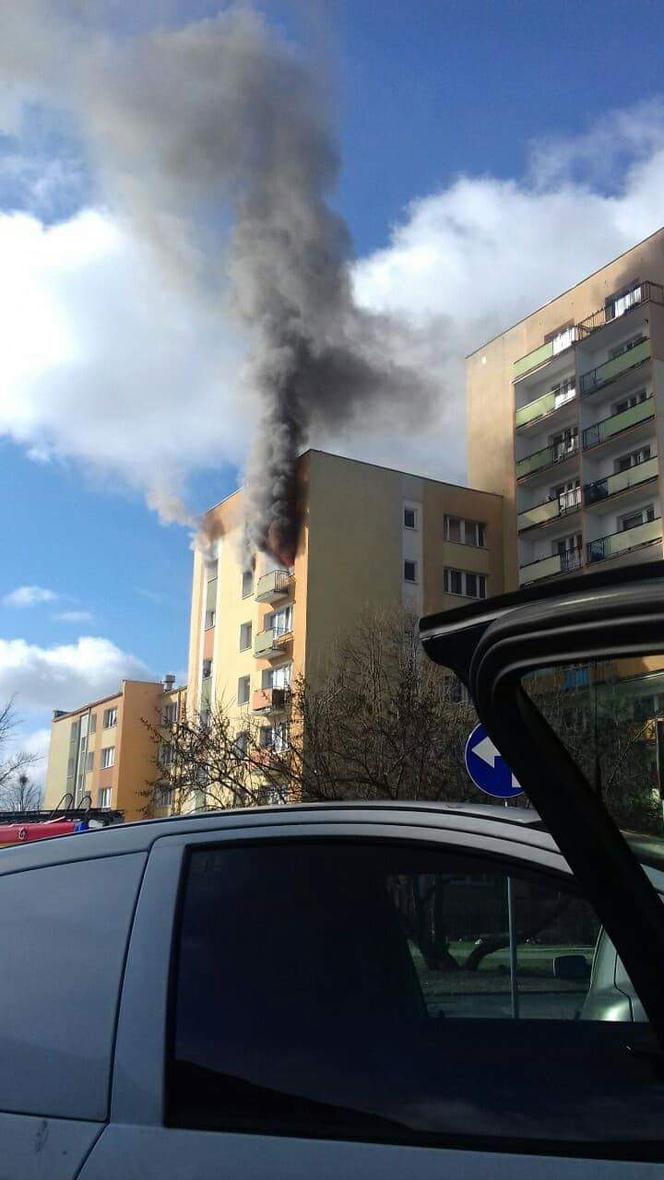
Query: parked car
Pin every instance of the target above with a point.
(298, 991)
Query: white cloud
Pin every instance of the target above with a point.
(24, 596)
(73, 616)
(65, 675)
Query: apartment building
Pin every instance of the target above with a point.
(565, 414)
(369, 536)
(104, 749)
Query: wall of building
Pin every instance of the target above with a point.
(490, 395)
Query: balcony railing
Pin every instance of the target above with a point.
(601, 431)
(610, 370)
(624, 541)
(265, 700)
(540, 356)
(274, 585)
(542, 406)
(551, 509)
(611, 485)
(548, 567)
(270, 643)
(546, 457)
(616, 309)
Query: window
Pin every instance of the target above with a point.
(104, 797)
(632, 459)
(410, 571)
(210, 619)
(241, 743)
(410, 518)
(107, 757)
(634, 399)
(245, 636)
(207, 669)
(626, 346)
(633, 519)
(465, 582)
(265, 737)
(281, 621)
(276, 677)
(397, 987)
(247, 583)
(110, 718)
(166, 755)
(565, 442)
(563, 391)
(93, 723)
(169, 713)
(568, 495)
(465, 532)
(89, 761)
(243, 690)
(616, 305)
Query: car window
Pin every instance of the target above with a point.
(609, 714)
(372, 991)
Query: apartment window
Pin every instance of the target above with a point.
(169, 714)
(281, 621)
(410, 518)
(570, 544)
(563, 391)
(247, 583)
(464, 582)
(634, 399)
(89, 762)
(245, 636)
(567, 494)
(110, 718)
(207, 669)
(465, 532)
(166, 754)
(633, 519)
(410, 571)
(104, 797)
(265, 737)
(241, 743)
(210, 619)
(276, 677)
(93, 723)
(626, 346)
(617, 304)
(243, 690)
(565, 442)
(632, 459)
(107, 757)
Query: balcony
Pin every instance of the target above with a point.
(612, 485)
(600, 432)
(269, 644)
(267, 700)
(542, 406)
(553, 509)
(542, 355)
(615, 310)
(546, 457)
(604, 374)
(549, 567)
(273, 586)
(623, 542)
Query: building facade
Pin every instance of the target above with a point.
(565, 415)
(104, 748)
(370, 536)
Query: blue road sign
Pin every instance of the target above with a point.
(486, 767)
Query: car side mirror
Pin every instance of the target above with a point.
(574, 967)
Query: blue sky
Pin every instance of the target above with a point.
(492, 153)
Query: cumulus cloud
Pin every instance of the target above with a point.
(73, 616)
(24, 596)
(65, 675)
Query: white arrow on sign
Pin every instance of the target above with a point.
(489, 754)
(487, 751)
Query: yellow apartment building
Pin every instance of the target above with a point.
(369, 535)
(563, 421)
(103, 749)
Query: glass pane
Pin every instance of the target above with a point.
(608, 714)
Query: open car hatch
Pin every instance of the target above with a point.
(494, 646)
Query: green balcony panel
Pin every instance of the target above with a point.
(599, 432)
(622, 542)
(550, 509)
(532, 360)
(264, 642)
(603, 374)
(537, 409)
(548, 567)
(601, 489)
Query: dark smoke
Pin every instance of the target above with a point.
(219, 131)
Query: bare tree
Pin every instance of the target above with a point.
(15, 787)
(380, 721)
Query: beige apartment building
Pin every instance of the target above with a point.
(369, 536)
(565, 413)
(104, 749)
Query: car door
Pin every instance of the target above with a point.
(343, 996)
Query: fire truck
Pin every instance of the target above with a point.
(64, 820)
